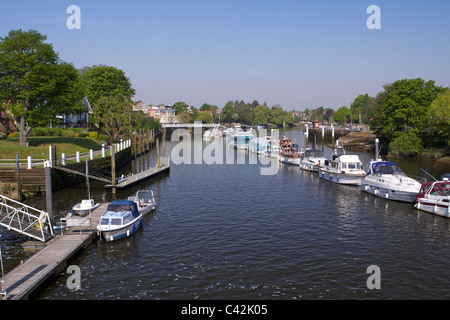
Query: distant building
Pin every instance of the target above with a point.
(77, 120)
(165, 114)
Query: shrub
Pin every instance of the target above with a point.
(82, 135)
(39, 132)
(103, 137)
(93, 135)
(13, 135)
(3, 135)
(406, 144)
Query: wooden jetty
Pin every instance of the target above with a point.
(128, 182)
(53, 259)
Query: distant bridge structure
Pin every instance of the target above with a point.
(188, 125)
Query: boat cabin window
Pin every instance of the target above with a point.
(440, 190)
(344, 166)
(386, 168)
(354, 165)
(116, 221)
(126, 219)
(104, 221)
(424, 189)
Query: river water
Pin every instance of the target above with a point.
(225, 231)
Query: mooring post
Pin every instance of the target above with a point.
(164, 142)
(48, 190)
(113, 168)
(158, 163)
(19, 187)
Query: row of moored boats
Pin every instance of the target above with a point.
(383, 178)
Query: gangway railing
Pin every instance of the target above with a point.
(25, 220)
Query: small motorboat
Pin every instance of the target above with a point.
(145, 201)
(120, 220)
(85, 207)
(312, 160)
(434, 197)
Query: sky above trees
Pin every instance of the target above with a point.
(298, 54)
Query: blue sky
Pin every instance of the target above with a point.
(296, 53)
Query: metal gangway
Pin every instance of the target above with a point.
(25, 220)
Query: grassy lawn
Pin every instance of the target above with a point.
(38, 147)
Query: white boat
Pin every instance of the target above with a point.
(434, 197)
(120, 220)
(85, 207)
(240, 139)
(386, 180)
(258, 145)
(207, 135)
(312, 160)
(343, 169)
(145, 201)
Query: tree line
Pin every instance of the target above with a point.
(235, 112)
(36, 85)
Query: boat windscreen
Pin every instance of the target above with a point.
(313, 153)
(119, 207)
(386, 168)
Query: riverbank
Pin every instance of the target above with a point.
(365, 141)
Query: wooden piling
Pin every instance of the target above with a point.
(113, 168)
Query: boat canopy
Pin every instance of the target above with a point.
(385, 167)
(123, 205)
(313, 153)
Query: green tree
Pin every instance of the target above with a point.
(204, 116)
(105, 81)
(205, 107)
(35, 84)
(227, 112)
(262, 114)
(180, 107)
(361, 108)
(439, 115)
(341, 114)
(116, 114)
(406, 105)
(406, 144)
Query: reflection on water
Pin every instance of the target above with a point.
(228, 232)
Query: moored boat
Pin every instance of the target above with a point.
(434, 197)
(145, 201)
(85, 207)
(240, 139)
(120, 220)
(386, 180)
(289, 152)
(343, 169)
(312, 160)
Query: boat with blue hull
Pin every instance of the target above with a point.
(120, 220)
